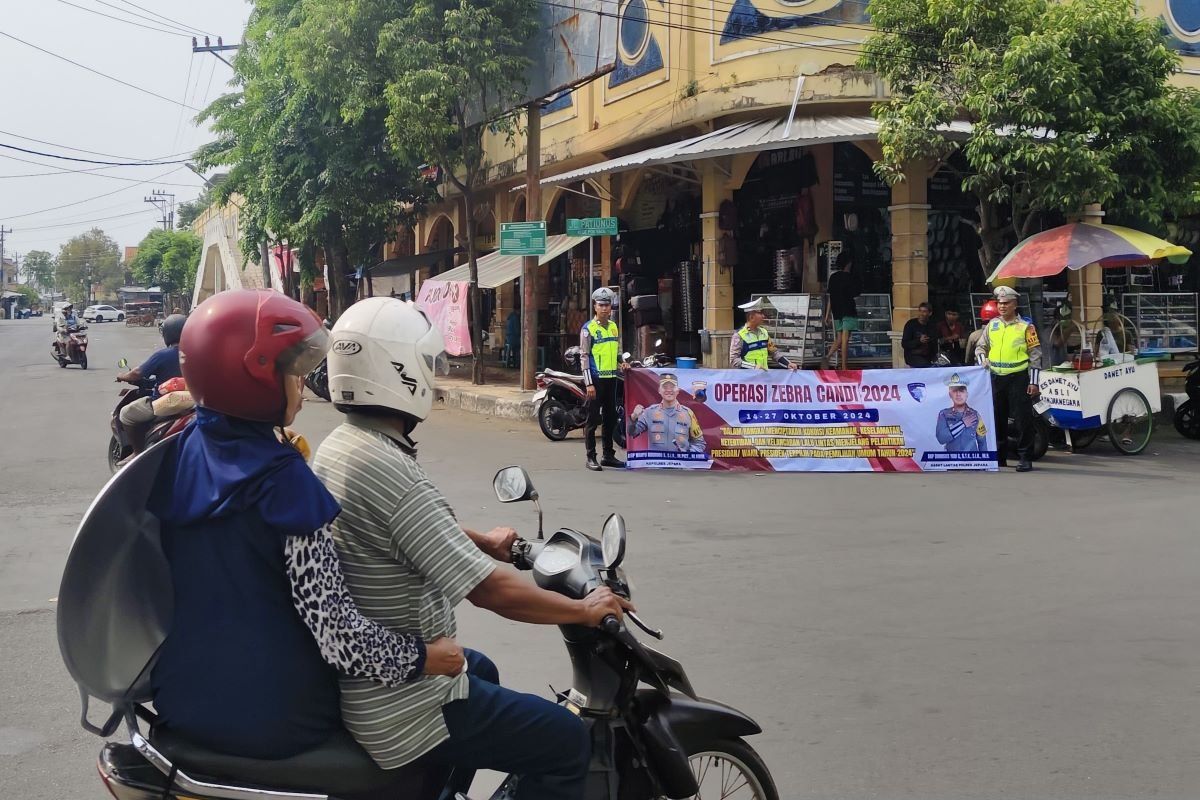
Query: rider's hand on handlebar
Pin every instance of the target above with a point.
(444, 656)
(600, 604)
(591, 392)
(500, 543)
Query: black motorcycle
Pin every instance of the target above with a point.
(561, 401)
(652, 735)
(1187, 415)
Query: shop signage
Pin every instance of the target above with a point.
(886, 420)
(522, 238)
(445, 303)
(592, 226)
(855, 181)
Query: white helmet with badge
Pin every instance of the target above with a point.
(385, 354)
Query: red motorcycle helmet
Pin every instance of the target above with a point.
(989, 311)
(238, 345)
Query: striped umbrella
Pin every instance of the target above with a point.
(1078, 244)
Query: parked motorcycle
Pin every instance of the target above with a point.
(75, 351)
(1187, 415)
(652, 735)
(561, 401)
(119, 446)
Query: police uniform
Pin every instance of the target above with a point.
(599, 347)
(753, 347)
(1013, 353)
(953, 430)
(671, 428)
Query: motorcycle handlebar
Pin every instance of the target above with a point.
(610, 624)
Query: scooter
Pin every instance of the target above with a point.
(652, 735)
(1187, 415)
(561, 401)
(119, 446)
(76, 347)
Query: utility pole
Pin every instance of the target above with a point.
(3, 277)
(216, 50)
(529, 271)
(164, 202)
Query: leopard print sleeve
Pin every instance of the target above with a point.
(349, 641)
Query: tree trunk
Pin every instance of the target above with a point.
(991, 237)
(337, 258)
(476, 302)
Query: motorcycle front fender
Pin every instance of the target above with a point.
(677, 725)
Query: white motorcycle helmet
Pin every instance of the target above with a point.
(385, 354)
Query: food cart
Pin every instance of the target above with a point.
(141, 314)
(1119, 399)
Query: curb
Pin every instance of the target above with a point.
(486, 405)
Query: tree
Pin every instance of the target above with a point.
(454, 62)
(40, 266)
(88, 260)
(308, 174)
(168, 259)
(1069, 104)
(29, 296)
(188, 212)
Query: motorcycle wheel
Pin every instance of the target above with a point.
(552, 419)
(1187, 421)
(62, 362)
(83, 360)
(622, 424)
(731, 768)
(115, 451)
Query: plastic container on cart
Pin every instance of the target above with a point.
(685, 363)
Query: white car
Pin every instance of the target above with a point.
(103, 314)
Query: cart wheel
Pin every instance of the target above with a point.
(1083, 438)
(1130, 421)
(1187, 420)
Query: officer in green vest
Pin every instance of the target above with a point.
(751, 347)
(1010, 348)
(599, 349)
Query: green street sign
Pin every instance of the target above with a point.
(522, 238)
(592, 226)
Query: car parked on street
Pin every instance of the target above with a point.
(103, 314)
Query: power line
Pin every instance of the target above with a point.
(186, 84)
(120, 19)
(93, 71)
(93, 173)
(90, 199)
(92, 152)
(173, 25)
(168, 19)
(92, 161)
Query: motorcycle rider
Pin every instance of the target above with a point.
(64, 321)
(599, 354)
(409, 562)
(161, 366)
(261, 616)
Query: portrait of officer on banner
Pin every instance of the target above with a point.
(670, 425)
(960, 428)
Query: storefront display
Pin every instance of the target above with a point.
(796, 324)
(1166, 322)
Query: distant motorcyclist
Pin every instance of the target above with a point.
(64, 321)
(161, 366)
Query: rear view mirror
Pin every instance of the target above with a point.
(612, 541)
(123, 363)
(512, 485)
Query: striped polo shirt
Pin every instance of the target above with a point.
(407, 563)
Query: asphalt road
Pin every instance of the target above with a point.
(943, 636)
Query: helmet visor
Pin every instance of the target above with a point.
(303, 357)
(439, 364)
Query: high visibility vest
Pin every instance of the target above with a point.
(1008, 345)
(605, 344)
(754, 346)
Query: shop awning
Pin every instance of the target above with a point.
(744, 137)
(497, 270)
(404, 265)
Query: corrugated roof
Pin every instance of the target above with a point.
(497, 270)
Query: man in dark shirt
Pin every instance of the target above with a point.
(840, 309)
(952, 336)
(920, 338)
(162, 365)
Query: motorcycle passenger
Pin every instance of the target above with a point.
(409, 562)
(261, 616)
(161, 366)
(599, 352)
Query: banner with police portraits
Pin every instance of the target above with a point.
(884, 420)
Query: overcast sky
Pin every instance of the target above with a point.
(66, 106)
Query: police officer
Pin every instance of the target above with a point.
(1010, 348)
(960, 427)
(752, 347)
(599, 346)
(672, 426)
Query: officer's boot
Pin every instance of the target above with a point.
(611, 460)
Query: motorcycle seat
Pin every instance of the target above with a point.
(338, 767)
(553, 373)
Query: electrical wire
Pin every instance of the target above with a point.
(92, 161)
(182, 28)
(187, 82)
(126, 21)
(168, 19)
(92, 152)
(88, 172)
(93, 71)
(8, 218)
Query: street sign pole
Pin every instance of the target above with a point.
(533, 213)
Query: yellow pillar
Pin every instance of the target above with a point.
(1086, 286)
(717, 280)
(910, 260)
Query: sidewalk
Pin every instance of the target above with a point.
(501, 396)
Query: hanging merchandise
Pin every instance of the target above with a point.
(783, 270)
(727, 252)
(689, 296)
(808, 171)
(727, 216)
(806, 216)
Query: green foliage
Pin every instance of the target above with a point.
(29, 296)
(187, 212)
(39, 267)
(1069, 103)
(88, 260)
(168, 259)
